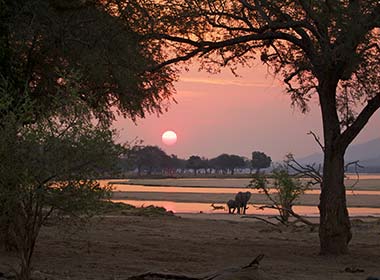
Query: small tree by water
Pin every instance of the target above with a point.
(281, 189)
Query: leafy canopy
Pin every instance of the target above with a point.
(46, 44)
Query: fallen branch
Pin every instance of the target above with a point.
(291, 212)
(255, 262)
(157, 275)
(223, 274)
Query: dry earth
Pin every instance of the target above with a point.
(115, 247)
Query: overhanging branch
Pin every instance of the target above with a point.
(353, 130)
(209, 46)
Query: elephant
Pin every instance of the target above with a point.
(241, 200)
(231, 206)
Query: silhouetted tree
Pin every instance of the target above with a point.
(287, 188)
(260, 160)
(220, 162)
(195, 163)
(150, 158)
(45, 45)
(236, 161)
(175, 163)
(49, 168)
(226, 162)
(324, 50)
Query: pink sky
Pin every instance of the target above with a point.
(225, 114)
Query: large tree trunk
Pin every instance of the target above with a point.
(335, 229)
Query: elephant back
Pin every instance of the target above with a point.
(242, 198)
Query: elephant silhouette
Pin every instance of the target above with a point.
(232, 205)
(241, 200)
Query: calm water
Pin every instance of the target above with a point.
(368, 185)
(188, 207)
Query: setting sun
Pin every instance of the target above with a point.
(169, 137)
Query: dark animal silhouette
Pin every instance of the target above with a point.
(241, 200)
(231, 206)
(217, 207)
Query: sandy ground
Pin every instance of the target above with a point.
(366, 182)
(119, 246)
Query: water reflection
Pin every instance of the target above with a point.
(188, 207)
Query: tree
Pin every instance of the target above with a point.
(195, 163)
(66, 68)
(220, 162)
(327, 50)
(235, 161)
(44, 44)
(287, 188)
(228, 162)
(150, 158)
(176, 163)
(260, 160)
(48, 168)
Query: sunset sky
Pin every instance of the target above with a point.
(225, 114)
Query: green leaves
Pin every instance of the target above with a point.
(281, 189)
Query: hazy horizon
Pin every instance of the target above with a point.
(225, 114)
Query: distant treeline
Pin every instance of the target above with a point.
(152, 160)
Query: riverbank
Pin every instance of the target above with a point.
(115, 247)
(197, 195)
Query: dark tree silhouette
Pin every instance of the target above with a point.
(236, 161)
(195, 163)
(176, 163)
(226, 162)
(149, 159)
(46, 46)
(260, 160)
(327, 50)
(220, 162)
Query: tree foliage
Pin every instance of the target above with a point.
(195, 163)
(149, 159)
(282, 190)
(48, 168)
(327, 50)
(260, 160)
(46, 44)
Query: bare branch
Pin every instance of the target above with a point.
(174, 60)
(356, 166)
(317, 139)
(307, 170)
(353, 130)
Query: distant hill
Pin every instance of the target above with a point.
(367, 153)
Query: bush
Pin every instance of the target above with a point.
(48, 168)
(284, 190)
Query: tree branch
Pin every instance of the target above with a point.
(316, 138)
(208, 46)
(353, 130)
